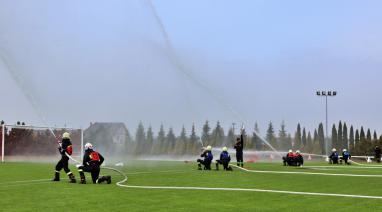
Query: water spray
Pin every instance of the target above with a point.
(181, 68)
(30, 98)
(201, 142)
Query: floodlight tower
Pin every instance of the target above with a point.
(326, 94)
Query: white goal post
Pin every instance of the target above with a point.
(36, 141)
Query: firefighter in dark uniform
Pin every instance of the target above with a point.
(91, 163)
(239, 146)
(206, 162)
(65, 147)
(288, 159)
(377, 152)
(333, 158)
(345, 157)
(299, 159)
(225, 158)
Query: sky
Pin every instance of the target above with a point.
(75, 62)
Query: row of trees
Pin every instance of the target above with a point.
(357, 141)
(145, 141)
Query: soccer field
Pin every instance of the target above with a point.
(178, 186)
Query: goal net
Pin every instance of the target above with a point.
(34, 143)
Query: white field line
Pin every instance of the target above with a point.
(30, 182)
(308, 173)
(23, 184)
(121, 184)
(23, 181)
(320, 169)
(168, 171)
(252, 190)
(345, 167)
(360, 164)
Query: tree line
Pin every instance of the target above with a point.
(166, 142)
(146, 142)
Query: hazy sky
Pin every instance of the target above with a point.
(83, 61)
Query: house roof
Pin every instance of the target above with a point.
(104, 128)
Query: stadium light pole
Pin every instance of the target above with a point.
(326, 94)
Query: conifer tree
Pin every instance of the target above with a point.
(160, 144)
(194, 145)
(217, 136)
(140, 139)
(149, 140)
(181, 142)
(303, 139)
(271, 135)
(335, 137)
(309, 144)
(315, 135)
(206, 136)
(283, 143)
(230, 139)
(297, 137)
(321, 138)
(362, 134)
(375, 136)
(368, 135)
(357, 142)
(345, 138)
(340, 136)
(170, 140)
(351, 138)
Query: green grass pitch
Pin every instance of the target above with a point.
(27, 187)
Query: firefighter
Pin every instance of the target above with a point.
(333, 158)
(65, 148)
(225, 158)
(91, 163)
(288, 159)
(239, 146)
(377, 152)
(299, 160)
(345, 156)
(207, 159)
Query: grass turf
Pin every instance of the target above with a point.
(26, 187)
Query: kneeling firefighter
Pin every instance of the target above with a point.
(299, 159)
(91, 163)
(225, 158)
(206, 162)
(333, 158)
(289, 158)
